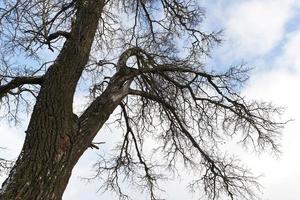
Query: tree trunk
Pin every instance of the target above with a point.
(49, 154)
(56, 138)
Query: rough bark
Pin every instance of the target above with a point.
(56, 138)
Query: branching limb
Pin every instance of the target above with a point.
(197, 110)
(149, 176)
(100, 109)
(17, 82)
(219, 176)
(129, 164)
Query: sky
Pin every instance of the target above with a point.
(263, 34)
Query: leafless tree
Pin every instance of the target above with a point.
(142, 59)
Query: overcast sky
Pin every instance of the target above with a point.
(264, 34)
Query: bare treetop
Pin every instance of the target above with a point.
(144, 60)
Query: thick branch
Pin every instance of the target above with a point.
(133, 51)
(55, 35)
(17, 82)
(101, 108)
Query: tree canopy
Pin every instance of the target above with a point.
(142, 60)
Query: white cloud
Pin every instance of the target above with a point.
(252, 28)
(290, 57)
(257, 26)
(281, 176)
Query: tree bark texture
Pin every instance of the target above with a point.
(56, 138)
